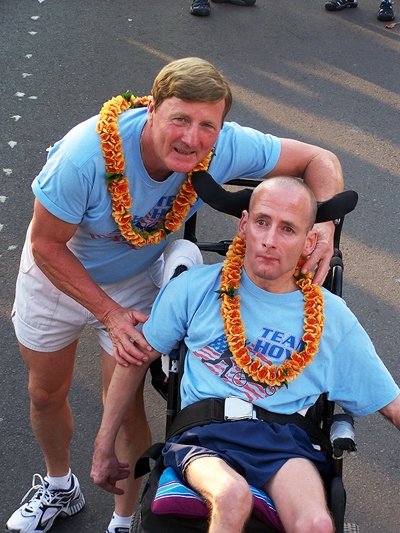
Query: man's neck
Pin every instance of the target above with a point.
(284, 284)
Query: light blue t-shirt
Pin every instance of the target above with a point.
(346, 367)
(72, 186)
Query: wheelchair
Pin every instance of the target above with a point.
(166, 504)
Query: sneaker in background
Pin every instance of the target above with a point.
(236, 2)
(200, 8)
(337, 5)
(385, 12)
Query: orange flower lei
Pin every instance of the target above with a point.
(235, 333)
(118, 183)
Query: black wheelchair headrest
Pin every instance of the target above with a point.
(233, 203)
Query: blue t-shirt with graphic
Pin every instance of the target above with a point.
(346, 367)
(72, 186)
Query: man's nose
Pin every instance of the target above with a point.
(269, 238)
(191, 135)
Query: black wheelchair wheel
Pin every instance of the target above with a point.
(351, 528)
(136, 524)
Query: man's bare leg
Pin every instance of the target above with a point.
(299, 496)
(227, 492)
(133, 439)
(50, 377)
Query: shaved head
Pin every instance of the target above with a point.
(278, 231)
(285, 183)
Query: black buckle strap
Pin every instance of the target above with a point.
(142, 466)
(212, 410)
(316, 434)
(197, 414)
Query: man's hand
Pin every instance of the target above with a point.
(129, 344)
(320, 259)
(107, 470)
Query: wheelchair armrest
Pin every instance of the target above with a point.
(342, 435)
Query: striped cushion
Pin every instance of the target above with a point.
(175, 498)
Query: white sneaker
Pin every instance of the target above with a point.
(39, 512)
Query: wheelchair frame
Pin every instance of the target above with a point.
(322, 413)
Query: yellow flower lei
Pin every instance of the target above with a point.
(235, 332)
(118, 183)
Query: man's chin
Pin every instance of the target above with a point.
(183, 167)
(181, 163)
(269, 272)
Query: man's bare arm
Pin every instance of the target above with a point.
(106, 469)
(319, 168)
(392, 412)
(49, 238)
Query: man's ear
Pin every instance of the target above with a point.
(242, 224)
(150, 111)
(311, 242)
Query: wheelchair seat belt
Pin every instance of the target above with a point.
(212, 410)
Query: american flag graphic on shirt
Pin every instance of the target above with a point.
(217, 357)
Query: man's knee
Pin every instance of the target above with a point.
(50, 376)
(45, 398)
(226, 499)
(318, 521)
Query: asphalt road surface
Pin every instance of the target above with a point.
(296, 71)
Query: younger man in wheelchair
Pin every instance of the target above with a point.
(289, 342)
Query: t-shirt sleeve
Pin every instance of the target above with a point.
(371, 385)
(168, 319)
(243, 152)
(63, 188)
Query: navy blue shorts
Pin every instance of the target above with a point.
(254, 448)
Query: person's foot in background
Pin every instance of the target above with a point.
(385, 12)
(235, 2)
(338, 5)
(200, 8)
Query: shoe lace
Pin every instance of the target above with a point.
(385, 7)
(41, 495)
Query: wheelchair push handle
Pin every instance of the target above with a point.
(233, 203)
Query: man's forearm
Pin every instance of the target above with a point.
(319, 168)
(106, 469)
(392, 412)
(123, 387)
(324, 175)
